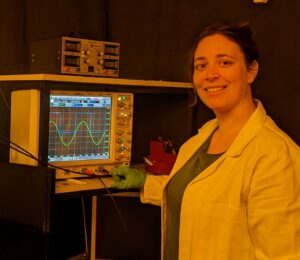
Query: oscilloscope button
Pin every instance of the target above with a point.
(120, 123)
(120, 132)
(121, 103)
(120, 140)
(122, 148)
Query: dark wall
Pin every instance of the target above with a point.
(25, 21)
(155, 36)
(12, 36)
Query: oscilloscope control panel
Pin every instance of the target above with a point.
(123, 137)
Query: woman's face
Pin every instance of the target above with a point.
(221, 76)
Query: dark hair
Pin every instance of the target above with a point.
(240, 34)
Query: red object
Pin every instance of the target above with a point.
(162, 161)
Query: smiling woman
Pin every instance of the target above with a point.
(222, 79)
(234, 191)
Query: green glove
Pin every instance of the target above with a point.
(127, 178)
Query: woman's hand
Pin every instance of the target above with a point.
(127, 178)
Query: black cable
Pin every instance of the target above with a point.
(19, 151)
(27, 153)
(4, 99)
(23, 151)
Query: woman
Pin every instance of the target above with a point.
(234, 191)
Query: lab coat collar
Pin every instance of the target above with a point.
(248, 132)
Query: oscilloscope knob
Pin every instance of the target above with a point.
(121, 148)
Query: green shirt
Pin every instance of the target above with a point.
(175, 189)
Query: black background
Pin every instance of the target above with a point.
(155, 37)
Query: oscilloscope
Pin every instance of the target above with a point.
(88, 132)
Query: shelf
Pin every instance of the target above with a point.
(95, 80)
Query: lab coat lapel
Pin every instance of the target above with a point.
(189, 148)
(248, 132)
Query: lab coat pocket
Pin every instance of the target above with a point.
(215, 229)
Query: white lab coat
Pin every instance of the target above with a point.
(244, 206)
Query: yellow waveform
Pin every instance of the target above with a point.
(72, 139)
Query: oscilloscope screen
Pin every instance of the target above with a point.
(79, 128)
